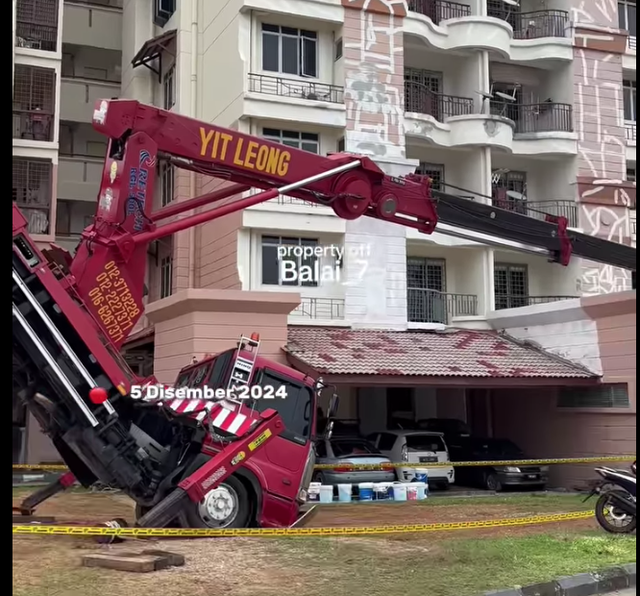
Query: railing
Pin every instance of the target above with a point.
(36, 37)
(420, 99)
(287, 200)
(539, 117)
(630, 131)
(268, 85)
(38, 218)
(516, 301)
(431, 306)
(35, 125)
(326, 309)
(568, 209)
(107, 3)
(631, 42)
(440, 10)
(532, 25)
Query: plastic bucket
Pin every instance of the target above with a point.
(412, 492)
(326, 494)
(422, 490)
(365, 491)
(344, 493)
(313, 494)
(399, 492)
(422, 476)
(381, 491)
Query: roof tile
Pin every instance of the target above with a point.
(449, 353)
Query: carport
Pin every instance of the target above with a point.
(484, 378)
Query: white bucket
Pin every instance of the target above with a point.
(365, 490)
(326, 494)
(381, 491)
(422, 490)
(344, 493)
(412, 491)
(399, 492)
(313, 494)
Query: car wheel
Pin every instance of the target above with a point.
(444, 486)
(492, 482)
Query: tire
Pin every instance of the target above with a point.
(444, 486)
(492, 482)
(604, 522)
(230, 493)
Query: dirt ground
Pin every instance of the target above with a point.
(50, 566)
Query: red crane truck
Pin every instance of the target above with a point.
(225, 463)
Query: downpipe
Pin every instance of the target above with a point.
(194, 114)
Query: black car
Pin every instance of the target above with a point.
(495, 478)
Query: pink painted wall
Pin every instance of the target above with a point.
(598, 113)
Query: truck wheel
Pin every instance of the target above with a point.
(226, 506)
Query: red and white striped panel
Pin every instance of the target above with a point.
(222, 415)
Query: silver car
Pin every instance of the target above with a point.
(350, 450)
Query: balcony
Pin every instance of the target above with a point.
(539, 209)
(504, 301)
(420, 99)
(79, 178)
(431, 306)
(78, 95)
(38, 222)
(532, 25)
(95, 24)
(32, 36)
(630, 131)
(536, 118)
(440, 10)
(308, 90)
(33, 125)
(631, 43)
(324, 309)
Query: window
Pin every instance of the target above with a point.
(32, 192)
(37, 24)
(511, 285)
(509, 190)
(162, 11)
(307, 141)
(629, 100)
(631, 174)
(627, 16)
(295, 409)
(346, 447)
(426, 288)
(430, 79)
(167, 183)
(33, 102)
(166, 277)
(386, 442)
(271, 261)
(289, 51)
(341, 145)
(425, 443)
(435, 171)
(601, 396)
(169, 88)
(338, 49)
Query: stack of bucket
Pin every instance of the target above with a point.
(416, 490)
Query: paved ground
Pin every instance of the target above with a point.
(629, 592)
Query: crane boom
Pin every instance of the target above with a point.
(113, 251)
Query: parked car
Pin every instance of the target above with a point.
(419, 449)
(496, 478)
(340, 450)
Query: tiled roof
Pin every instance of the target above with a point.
(451, 353)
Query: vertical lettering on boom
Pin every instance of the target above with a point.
(137, 199)
(250, 155)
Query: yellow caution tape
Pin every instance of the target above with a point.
(457, 464)
(276, 532)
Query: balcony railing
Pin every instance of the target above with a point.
(568, 209)
(36, 37)
(532, 25)
(431, 306)
(440, 10)
(326, 309)
(631, 42)
(516, 301)
(38, 218)
(630, 131)
(538, 117)
(420, 99)
(35, 125)
(268, 85)
(287, 200)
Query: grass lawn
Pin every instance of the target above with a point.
(461, 563)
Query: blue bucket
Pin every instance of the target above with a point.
(365, 491)
(421, 476)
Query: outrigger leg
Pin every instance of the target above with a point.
(28, 506)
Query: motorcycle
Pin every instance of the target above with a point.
(616, 507)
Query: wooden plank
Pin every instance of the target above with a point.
(135, 564)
